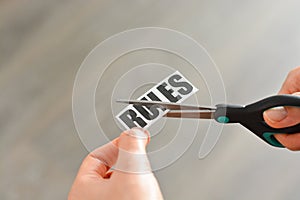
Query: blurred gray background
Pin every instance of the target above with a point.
(43, 43)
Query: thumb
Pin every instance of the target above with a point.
(276, 117)
(282, 116)
(132, 157)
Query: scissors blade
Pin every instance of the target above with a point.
(170, 106)
(198, 115)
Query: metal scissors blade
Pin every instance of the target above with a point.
(177, 110)
(170, 106)
(198, 115)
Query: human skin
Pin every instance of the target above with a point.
(131, 177)
(288, 116)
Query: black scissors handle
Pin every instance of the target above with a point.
(251, 116)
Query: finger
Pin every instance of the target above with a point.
(132, 156)
(291, 83)
(99, 161)
(290, 141)
(283, 116)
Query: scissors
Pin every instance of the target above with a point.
(249, 116)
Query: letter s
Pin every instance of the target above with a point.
(186, 87)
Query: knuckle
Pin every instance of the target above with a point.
(294, 71)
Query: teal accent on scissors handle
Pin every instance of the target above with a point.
(271, 139)
(223, 119)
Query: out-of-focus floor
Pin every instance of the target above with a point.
(42, 44)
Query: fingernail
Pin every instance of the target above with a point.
(276, 114)
(139, 133)
(134, 140)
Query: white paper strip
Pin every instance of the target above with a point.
(174, 89)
